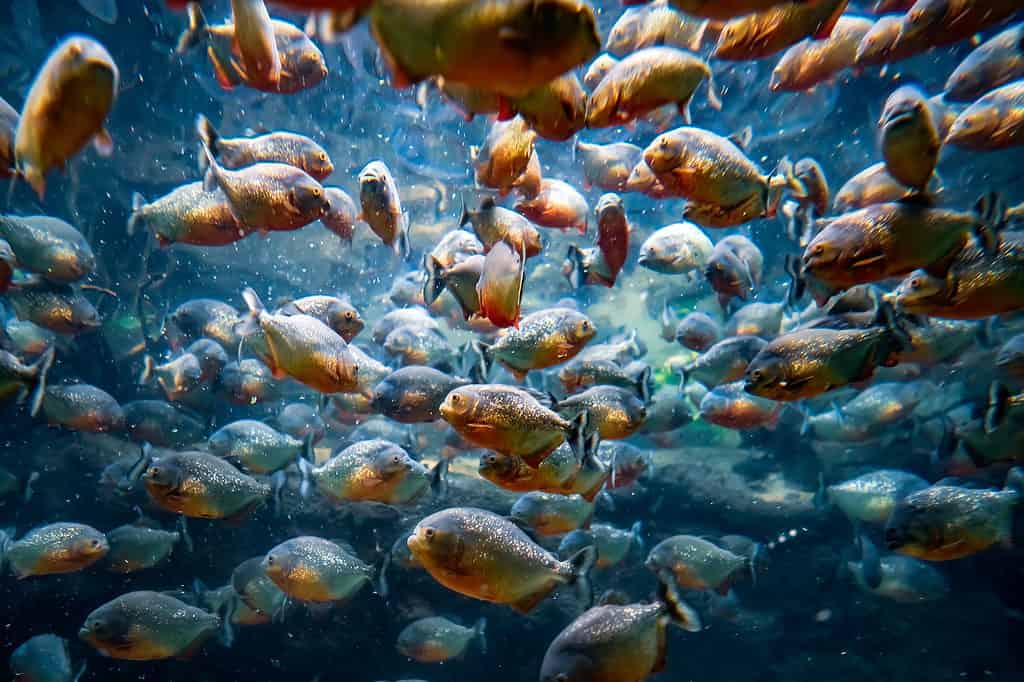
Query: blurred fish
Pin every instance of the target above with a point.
(874, 185)
(871, 497)
(505, 154)
(580, 374)
(756, 319)
(51, 549)
(316, 570)
(811, 62)
(248, 382)
(558, 205)
(698, 332)
(1010, 359)
(696, 564)
(48, 247)
(382, 206)
(342, 215)
(607, 166)
(138, 546)
(909, 138)
(259, 448)
(44, 658)
(436, 639)
(161, 423)
(414, 394)
(8, 129)
(945, 522)
(898, 578)
(65, 109)
(19, 380)
(556, 110)
(482, 555)
(772, 30)
(941, 22)
(61, 309)
(676, 249)
(613, 545)
(200, 485)
(600, 67)
(82, 407)
(148, 626)
(256, 44)
(610, 411)
(372, 471)
(994, 121)
(188, 215)
(997, 61)
(551, 514)
(338, 313)
(493, 223)
(541, 340)
(884, 44)
(500, 287)
(734, 269)
(256, 589)
(730, 406)
(508, 50)
(724, 362)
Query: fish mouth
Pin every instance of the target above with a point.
(898, 118)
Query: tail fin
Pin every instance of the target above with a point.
(643, 385)
(306, 470)
(146, 375)
(250, 325)
(138, 203)
(580, 565)
(29, 491)
(212, 177)
(820, 499)
(439, 478)
(141, 464)
(870, 562)
(227, 633)
(186, 538)
(39, 369)
(436, 279)
(998, 401)
(464, 218)
(403, 246)
(636, 531)
(209, 138)
(480, 634)
(713, 99)
(482, 370)
(383, 589)
(278, 482)
(783, 178)
(681, 613)
(797, 283)
(990, 210)
(6, 538)
(893, 322)
(196, 31)
(577, 274)
(578, 433)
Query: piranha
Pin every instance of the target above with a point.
(437, 639)
(316, 570)
(485, 556)
(52, 549)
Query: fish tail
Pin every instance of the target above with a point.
(6, 538)
(870, 562)
(888, 317)
(579, 566)
(138, 204)
(147, 370)
(713, 98)
(278, 482)
(681, 613)
(684, 376)
(464, 217)
(195, 33)
(643, 385)
(306, 471)
(1015, 482)
(636, 531)
(250, 325)
(382, 587)
(439, 478)
(186, 537)
(209, 138)
(998, 401)
(81, 671)
(756, 560)
(26, 495)
(141, 464)
(39, 369)
(480, 634)
(226, 636)
(579, 430)
(214, 173)
(577, 275)
(437, 278)
(990, 210)
(482, 369)
(820, 499)
(403, 245)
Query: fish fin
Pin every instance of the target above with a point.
(578, 433)
(437, 277)
(480, 634)
(439, 478)
(684, 111)
(36, 179)
(26, 495)
(196, 31)
(250, 325)
(870, 562)
(643, 385)
(278, 481)
(713, 99)
(80, 672)
(383, 589)
(403, 246)
(636, 532)
(138, 203)
(186, 537)
(39, 369)
(579, 565)
(306, 471)
(998, 401)
(681, 613)
(742, 138)
(990, 210)
(529, 603)
(577, 273)
(103, 143)
(211, 179)
(208, 138)
(146, 375)
(825, 29)
(505, 110)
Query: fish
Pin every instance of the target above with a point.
(460, 279)
(411, 395)
(256, 44)
(269, 195)
(511, 421)
(757, 319)
(79, 81)
(44, 658)
(811, 62)
(48, 247)
(871, 497)
(59, 308)
(303, 348)
(484, 556)
(675, 249)
(996, 62)
(607, 166)
(188, 214)
(300, 420)
(697, 332)
(248, 382)
(617, 642)
(276, 147)
(724, 362)
(771, 30)
(942, 22)
(647, 80)
(82, 407)
(733, 269)
(555, 111)
(547, 514)
(256, 590)
(581, 374)
(373, 470)
(259, 448)
(302, 63)
(338, 313)
(1010, 359)
(53, 549)
(505, 154)
(991, 122)
(500, 286)
(693, 563)
(947, 522)
(437, 639)
(611, 412)
(508, 50)
(727, 9)
(557, 205)
(200, 485)
(138, 546)
(874, 185)
(599, 68)
(382, 207)
(885, 43)
(492, 223)
(613, 545)
(313, 569)
(899, 578)
(909, 138)
(148, 626)
(161, 423)
(542, 339)
(730, 406)
(8, 127)
(341, 217)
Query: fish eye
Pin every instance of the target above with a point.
(492, 459)
(94, 544)
(756, 375)
(818, 250)
(270, 560)
(429, 533)
(350, 315)
(455, 399)
(321, 156)
(395, 459)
